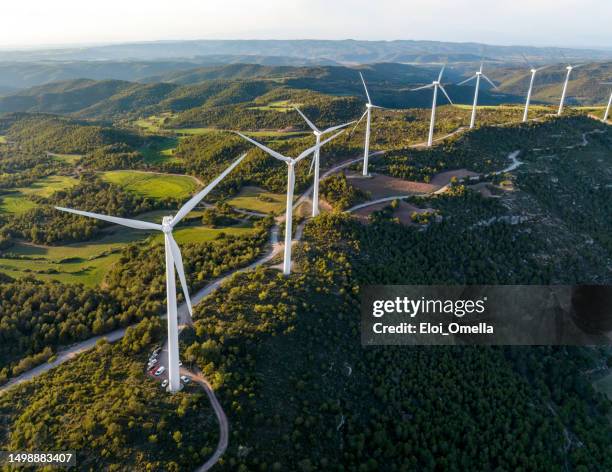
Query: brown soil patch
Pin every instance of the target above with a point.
(403, 212)
(444, 178)
(381, 186)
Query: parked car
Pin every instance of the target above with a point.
(152, 363)
(185, 379)
(160, 371)
(180, 363)
(164, 384)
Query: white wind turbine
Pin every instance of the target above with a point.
(173, 259)
(605, 118)
(435, 85)
(368, 114)
(290, 185)
(317, 154)
(533, 71)
(569, 68)
(476, 76)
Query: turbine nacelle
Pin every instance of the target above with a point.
(569, 67)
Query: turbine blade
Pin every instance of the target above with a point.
(481, 64)
(466, 80)
(442, 88)
(526, 61)
(310, 123)
(273, 153)
(377, 106)
(358, 121)
(197, 198)
(422, 87)
(334, 128)
(312, 162)
(310, 150)
(113, 219)
(441, 72)
(489, 80)
(178, 263)
(364, 86)
(579, 65)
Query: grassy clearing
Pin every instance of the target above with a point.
(152, 123)
(17, 202)
(282, 106)
(201, 234)
(153, 185)
(67, 158)
(257, 199)
(2, 140)
(161, 152)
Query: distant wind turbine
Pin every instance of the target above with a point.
(605, 118)
(435, 85)
(476, 76)
(533, 71)
(290, 185)
(569, 68)
(173, 259)
(367, 113)
(317, 154)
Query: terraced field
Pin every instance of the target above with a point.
(153, 185)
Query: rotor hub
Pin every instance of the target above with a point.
(166, 224)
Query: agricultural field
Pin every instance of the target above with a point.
(17, 202)
(2, 139)
(257, 199)
(153, 185)
(160, 152)
(279, 105)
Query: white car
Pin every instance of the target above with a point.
(180, 363)
(185, 379)
(152, 362)
(160, 371)
(164, 384)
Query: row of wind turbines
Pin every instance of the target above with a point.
(173, 257)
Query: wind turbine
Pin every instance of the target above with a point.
(173, 259)
(605, 118)
(569, 68)
(368, 113)
(476, 76)
(291, 162)
(435, 85)
(533, 71)
(317, 154)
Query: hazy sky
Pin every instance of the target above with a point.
(537, 22)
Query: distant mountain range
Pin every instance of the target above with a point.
(141, 61)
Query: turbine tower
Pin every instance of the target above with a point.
(605, 118)
(367, 113)
(564, 92)
(317, 154)
(290, 185)
(476, 76)
(173, 260)
(533, 71)
(435, 85)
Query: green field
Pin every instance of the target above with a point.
(88, 262)
(153, 185)
(152, 123)
(67, 158)
(85, 263)
(280, 105)
(257, 199)
(157, 153)
(2, 140)
(17, 202)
